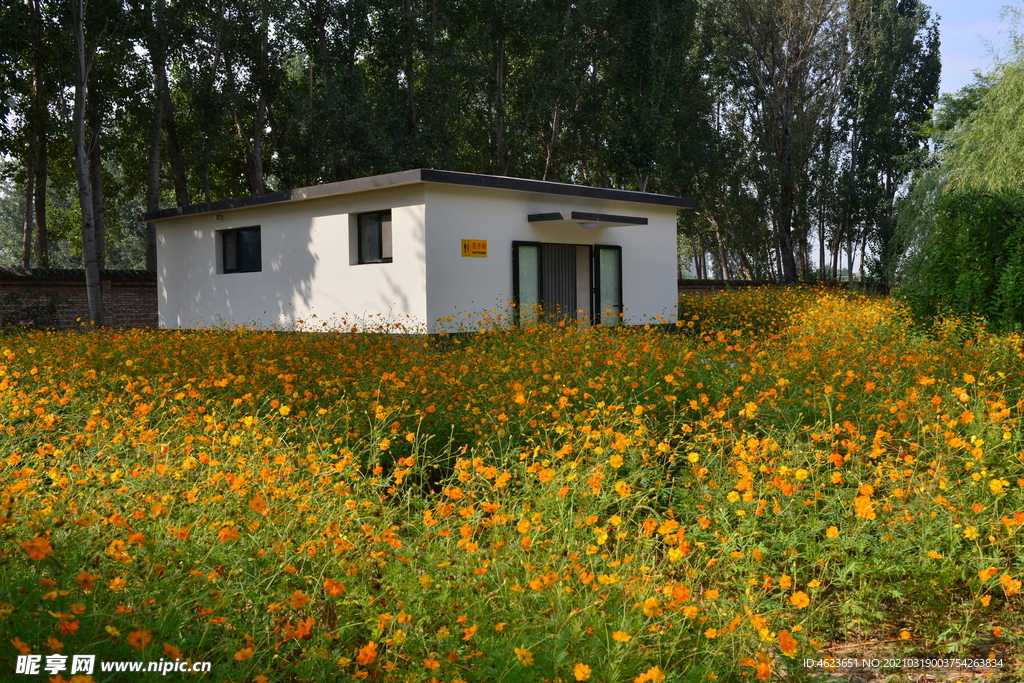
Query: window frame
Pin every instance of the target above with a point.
(223, 237)
(382, 216)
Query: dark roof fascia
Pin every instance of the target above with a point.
(585, 216)
(546, 187)
(423, 175)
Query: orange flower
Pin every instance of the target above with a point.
(621, 637)
(38, 548)
(864, 506)
(653, 674)
(799, 599)
(762, 663)
(581, 672)
(787, 643)
(832, 532)
(304, 629)
(681, 593)
(244, 653)
(171, 651)
(431, 663)
(1010, 585)
(468, 633)
(85, 581)
(367, 654)
(139, 639)
(333, 587)
(68, 626)
(21, 646)
(986, 574)
(298, 599)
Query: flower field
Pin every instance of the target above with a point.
(785, 473)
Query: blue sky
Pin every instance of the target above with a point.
(964, 28)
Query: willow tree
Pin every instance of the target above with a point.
(970, 259)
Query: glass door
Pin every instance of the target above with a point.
(607, 285)
(526, 282)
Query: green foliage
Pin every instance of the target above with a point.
(973, 260)
(986, 151)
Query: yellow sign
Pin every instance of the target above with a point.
(474, 248)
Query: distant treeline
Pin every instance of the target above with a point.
(793, 123)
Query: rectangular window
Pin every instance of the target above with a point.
(241, 250)
(374, 237)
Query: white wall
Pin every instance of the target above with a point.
(457, 285)
(306, 266)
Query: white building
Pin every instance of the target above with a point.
(419, 250)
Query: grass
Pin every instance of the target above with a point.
(790, 474)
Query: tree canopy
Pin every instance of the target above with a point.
(785, 120)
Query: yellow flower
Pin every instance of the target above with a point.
(524, 656)
(621, 637)
(832, 532)
(581, 672)
(800, 599)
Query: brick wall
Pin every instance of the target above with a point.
(56, 297)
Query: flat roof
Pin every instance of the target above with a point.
(423, 175)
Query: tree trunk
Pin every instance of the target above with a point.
(82, 68)
(410, 86)
(30, 177)
(153, 184)
(158, 57)
(99, 211)
(38, 133)
(499, 110)
(549, 157)
(261, 111)
(42, 238)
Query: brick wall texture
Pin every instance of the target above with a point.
(56, 298)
